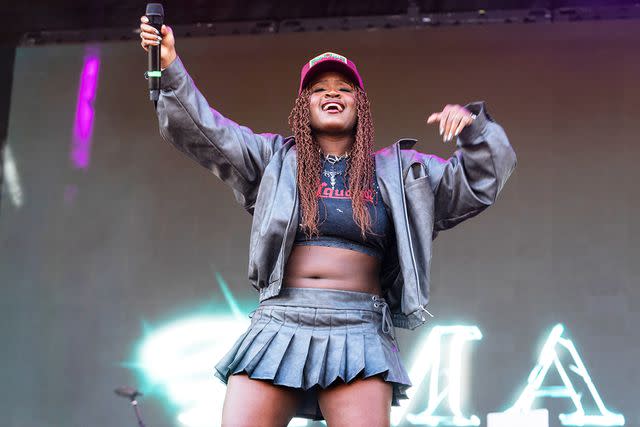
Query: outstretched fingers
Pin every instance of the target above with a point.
(452, 119)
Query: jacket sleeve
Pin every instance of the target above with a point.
(470, 180)
(232, 152)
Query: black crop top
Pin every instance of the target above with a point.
(336, 225)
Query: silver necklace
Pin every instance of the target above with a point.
(331, 174)
(333, 159)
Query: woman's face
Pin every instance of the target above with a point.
(332, 104)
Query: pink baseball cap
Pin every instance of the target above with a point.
(329, 61)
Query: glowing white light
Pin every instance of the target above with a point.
(534, 418)
(549, 356)
(428, 362)
(11, 178)
(180, 357)
(302, 422)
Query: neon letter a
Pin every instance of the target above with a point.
(551, 353)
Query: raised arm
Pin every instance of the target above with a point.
(470, 180)
(232, 152)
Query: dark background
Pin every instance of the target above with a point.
(42, 15)
(94, 260)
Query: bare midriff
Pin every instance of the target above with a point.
(332, 268)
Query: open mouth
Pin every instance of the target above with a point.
(333, 107)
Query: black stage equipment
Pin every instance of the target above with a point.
(131, 394)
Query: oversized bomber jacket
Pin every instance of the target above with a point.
(423, 193)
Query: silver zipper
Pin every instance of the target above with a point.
(286, 230)
(406, 223)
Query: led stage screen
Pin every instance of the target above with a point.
(123, 262)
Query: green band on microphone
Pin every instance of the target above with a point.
(154, 73)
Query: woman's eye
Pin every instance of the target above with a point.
(318, 89)
(345, 90)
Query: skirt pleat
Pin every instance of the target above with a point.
(355, 353)
(334, 368)
(310, 348)
(231, 360)
(270, 360)
(316, 359)
(256, 349)
(291, 370)
(375, 361)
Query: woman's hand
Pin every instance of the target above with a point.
(453, 118)
(150, 36)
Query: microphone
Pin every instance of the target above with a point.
(155, 13)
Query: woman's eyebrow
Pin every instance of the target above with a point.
(341, 85)
(348, 83)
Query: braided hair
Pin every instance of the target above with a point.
(359, 169)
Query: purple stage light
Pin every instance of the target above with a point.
(83, 125)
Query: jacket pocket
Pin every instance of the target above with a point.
(423, 180)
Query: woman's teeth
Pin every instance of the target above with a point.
(332, 106)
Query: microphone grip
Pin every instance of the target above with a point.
(154, 66)
(154, 60)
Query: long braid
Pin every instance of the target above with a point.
(359, 170)
(361, 180)
(309, 163)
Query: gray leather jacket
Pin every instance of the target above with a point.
(423, 193)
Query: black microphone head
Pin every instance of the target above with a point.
(128, 392)
(154, 9)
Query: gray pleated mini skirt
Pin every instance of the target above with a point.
(308, 338)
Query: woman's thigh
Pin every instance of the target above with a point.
(257, 403)
(363, 402)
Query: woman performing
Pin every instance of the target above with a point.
(340, 245)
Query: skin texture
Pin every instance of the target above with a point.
(250, 403)
(332, 131)
(363, 402)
